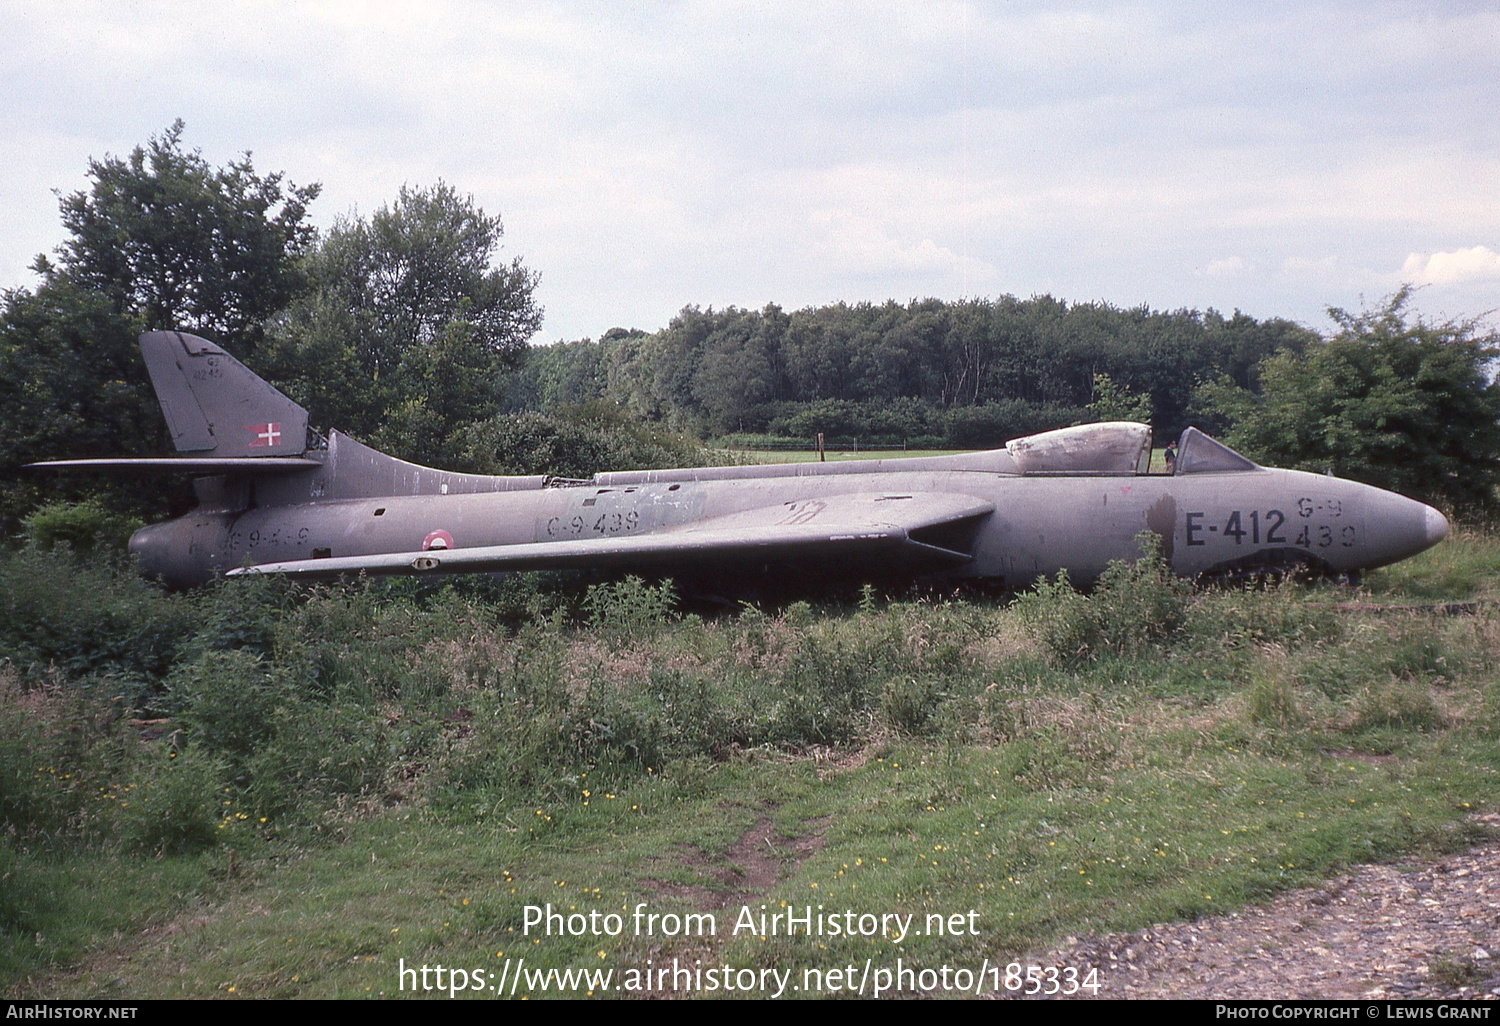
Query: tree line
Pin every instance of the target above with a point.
(955, 374)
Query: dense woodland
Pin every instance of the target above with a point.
(927, 373)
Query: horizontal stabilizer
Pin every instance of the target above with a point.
(811, 534)
(187, 465)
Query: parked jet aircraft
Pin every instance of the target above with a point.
(275, 498)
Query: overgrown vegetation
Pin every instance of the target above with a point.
(1134, 754)
(1134, 606)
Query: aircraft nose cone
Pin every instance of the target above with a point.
(1436, 525)
(1394, 528)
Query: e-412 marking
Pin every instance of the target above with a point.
(1271, 527)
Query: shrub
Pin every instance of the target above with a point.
(85, 526)
(907, 703)
(573, 442)
(672, 715)
(630, 608)
(1242, 618)
(1134, 606)
(519, 728)
(60, 614)
(319, 756)
(228, 700)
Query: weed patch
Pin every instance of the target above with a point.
(1133, 607)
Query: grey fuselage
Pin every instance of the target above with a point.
(1208, 522)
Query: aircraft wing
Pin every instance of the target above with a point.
(905, 534)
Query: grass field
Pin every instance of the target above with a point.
(356, 782)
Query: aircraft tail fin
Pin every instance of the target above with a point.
(226, 421)
(215, 405)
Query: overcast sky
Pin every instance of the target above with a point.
(1278, 158)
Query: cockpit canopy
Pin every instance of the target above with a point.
(1115, 447)
(1118, 447)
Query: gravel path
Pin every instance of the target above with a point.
(1408, 931)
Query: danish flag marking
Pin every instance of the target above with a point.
(265, 434)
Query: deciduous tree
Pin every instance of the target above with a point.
(1117, 402)
(1388, 399)
(408, 309)
(159, 240)
(180, 244)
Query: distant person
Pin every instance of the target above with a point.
(1170, 455)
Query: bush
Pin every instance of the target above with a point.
(518, 728)
(228, 700)
(993, 424)
(907, 703)
(672, 715)
(1134, 606)
(84, 527)
(574, 443)
(240, 614)
(1236, 619)
(823, 697)
(60, 614)
(1398, 403)
(630, 608)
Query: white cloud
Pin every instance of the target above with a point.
(1226, 267)
(1450, 268)
(859, 246)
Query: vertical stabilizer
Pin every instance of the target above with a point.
(215, 405)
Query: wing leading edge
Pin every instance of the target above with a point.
(908, 534)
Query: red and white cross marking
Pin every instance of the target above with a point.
(265, 434)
